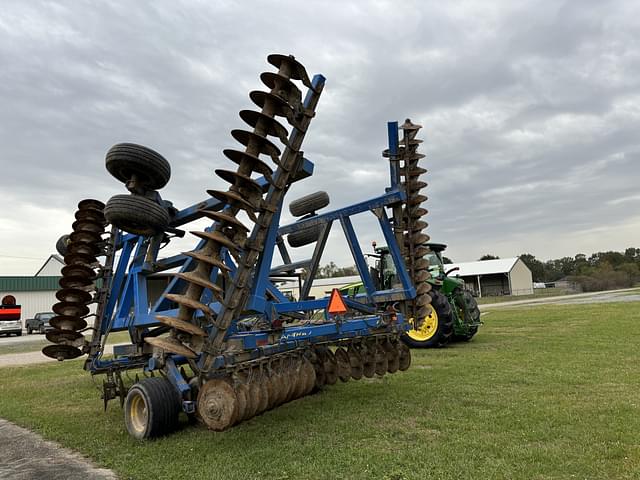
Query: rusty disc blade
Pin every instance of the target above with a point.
(83, 236)
(241, 181)
(193, 277)
(71, 309)
(260, 143)
(344, 367)
(236, 200)
(241, 396)
(404, 354)
(92, 215)
(393, 356)
(330, 367)
(264, 123)
(61, 352)
(226, 220)
(217, 237)
(188, 302)
(213, 261)
(381, 360)
(264, 393)
(252, 162)
(311, 376)
(78, 271)
(355, 362)
(85, 225)
(368, 362)
(300, 381)
(217, 404)
(67, 322)
(171, 345)
(90, 249)
(253, 398)
(423, 288)
(65, 337)
(271, 104)
(288, 62)
(89, 203)
(287, 384)
(181, 325)
(281, 86)
(79, 259)
(75, 282)
(73, 295)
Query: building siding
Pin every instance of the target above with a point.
(521, 279)
(33, 302)
(28, 284)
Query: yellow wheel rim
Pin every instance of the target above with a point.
(138, 413)
(428, 328)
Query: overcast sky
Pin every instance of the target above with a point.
(531, 111)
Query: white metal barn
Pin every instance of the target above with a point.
(505, 276)
(38, 293)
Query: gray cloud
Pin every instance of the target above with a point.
(530, 110)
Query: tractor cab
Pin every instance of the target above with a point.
(384, 272)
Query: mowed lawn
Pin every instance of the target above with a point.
(543, 392)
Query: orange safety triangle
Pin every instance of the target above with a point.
(336, 303)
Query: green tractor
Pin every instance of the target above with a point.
(454, 314)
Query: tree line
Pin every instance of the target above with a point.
(599, 271)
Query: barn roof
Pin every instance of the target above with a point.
(483, 267)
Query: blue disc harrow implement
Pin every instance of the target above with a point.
(210, 332)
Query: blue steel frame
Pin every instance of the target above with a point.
(127, 306)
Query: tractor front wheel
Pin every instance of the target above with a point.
(469, 313)
(435, 330)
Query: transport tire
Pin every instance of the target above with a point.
(436, 330)
(151, 408)
(151, 169)
(61, 245)
(305, 236)
(136, 214)
(309, 203)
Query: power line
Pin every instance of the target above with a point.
(24, 258)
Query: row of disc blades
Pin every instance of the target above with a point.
(78, 282)
(413, 222)
(244, 194)
(251, 390)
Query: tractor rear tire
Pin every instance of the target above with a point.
(471, 306)
(306, 236)
(136, 214)
(151, 409)
(151, 169)
(436, 329)
(309, 203)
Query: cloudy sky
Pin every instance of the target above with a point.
(531, 111)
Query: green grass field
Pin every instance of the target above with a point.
(549, 392)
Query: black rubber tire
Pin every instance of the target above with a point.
(136, 214)
(126, 159)
(471, 306)
(41, 330)
(29, 331)
(309, 203)
(444, 329)
(305, 236)
(162, 407)
(61, 245)
(19, 334)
